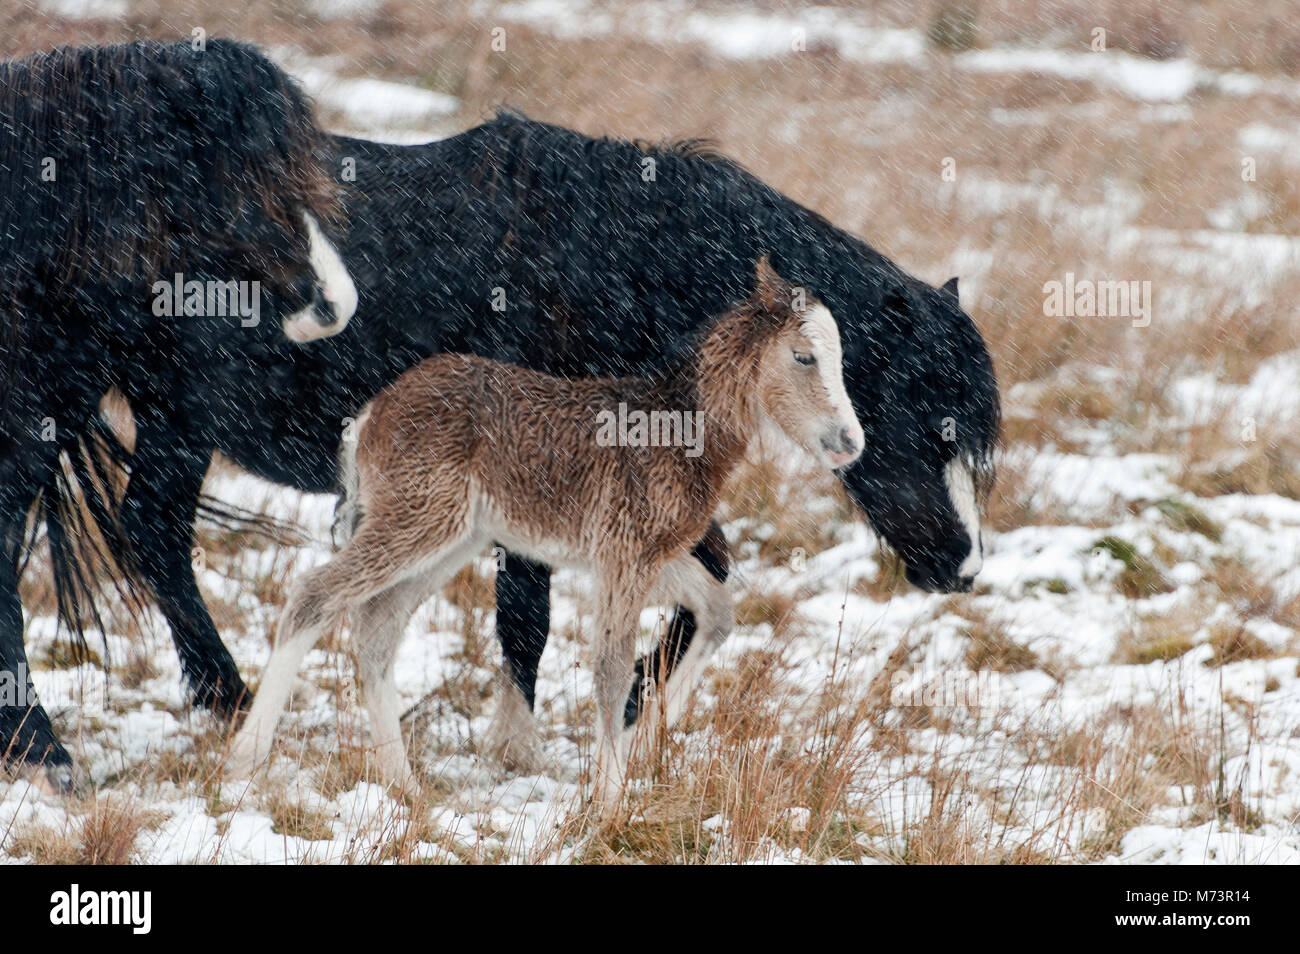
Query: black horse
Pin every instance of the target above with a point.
(530, 243)
(159, 205)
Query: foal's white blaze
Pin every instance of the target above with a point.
(961, 490)
(336, 287)
(819, 327)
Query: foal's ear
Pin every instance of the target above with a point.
(950, 286)
(771, 288)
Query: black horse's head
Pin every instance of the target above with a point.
(922, 383)
(274, 183)
(311, 292)
(139, 161)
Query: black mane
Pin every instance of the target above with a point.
(123, 162)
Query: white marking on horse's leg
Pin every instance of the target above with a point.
(961, 490)
(513, 738)
(687, 582)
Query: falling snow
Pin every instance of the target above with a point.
(1142, 576)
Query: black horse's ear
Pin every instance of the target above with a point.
(950, 286)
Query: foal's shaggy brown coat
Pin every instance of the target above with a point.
(461, 452)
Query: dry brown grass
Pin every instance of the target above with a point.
(291, 817)
(993, 649)
(104, 833)
(1156, 639)
(1234, 643)
(889, 579)
(1252, 594)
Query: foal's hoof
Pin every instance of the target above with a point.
(241, 761)
(518, 756)
(65, 779)
(54, 780)
(513, 738)
(636, 698)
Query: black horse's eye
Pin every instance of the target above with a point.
(805, 357)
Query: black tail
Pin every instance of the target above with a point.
(80, 512)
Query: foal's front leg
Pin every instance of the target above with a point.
(619, 605)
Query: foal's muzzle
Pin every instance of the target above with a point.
(842, 447)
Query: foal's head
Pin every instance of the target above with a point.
(800, 381)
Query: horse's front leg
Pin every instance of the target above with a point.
(158, 513)
(620, 597)
(27, 742)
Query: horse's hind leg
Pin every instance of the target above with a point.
(655, 670)
(27, 740)
(158, 513)
(378, 626)
(373, 562)
(315, 603)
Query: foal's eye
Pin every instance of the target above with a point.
(805, 357)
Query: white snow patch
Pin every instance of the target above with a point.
(86, 9)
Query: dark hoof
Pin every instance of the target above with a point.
(226, 698)
(64, 780)
(632, 711)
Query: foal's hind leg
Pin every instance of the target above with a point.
(315, 603)
(373, 561)
(377, 629)
(690, 583)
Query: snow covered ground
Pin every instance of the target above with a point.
(1122, 687)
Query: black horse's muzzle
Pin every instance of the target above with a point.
(933, 581)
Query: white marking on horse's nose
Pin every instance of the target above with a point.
(336, 284)
(961, 490)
